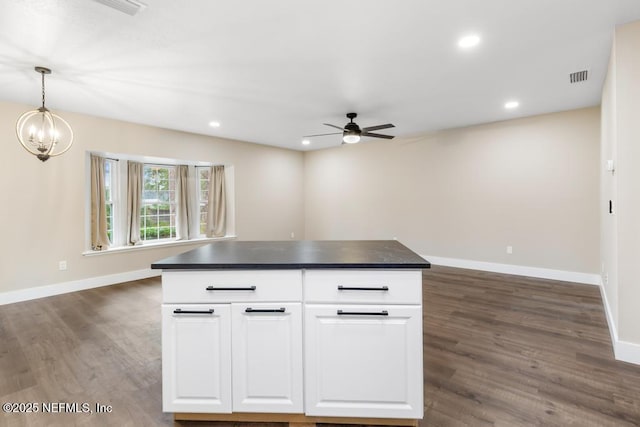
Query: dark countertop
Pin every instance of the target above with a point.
(295, 254)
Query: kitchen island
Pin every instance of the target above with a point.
(293, 331)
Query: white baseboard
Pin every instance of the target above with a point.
(518, 270)
(624, 351)
(627, 352)
(613, 330)
(76, 285)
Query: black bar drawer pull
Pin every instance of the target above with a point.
(363, 313)
(181, 311)
(218, 288)
(264, 310)
(358, 288)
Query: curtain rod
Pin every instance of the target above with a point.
(163, 164)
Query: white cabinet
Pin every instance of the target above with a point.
(363, 361)
(267, 357)
(196, 358)
(232, 341)
(363, 343)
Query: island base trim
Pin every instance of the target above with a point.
(294, 420)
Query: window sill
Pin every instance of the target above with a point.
(166, 244)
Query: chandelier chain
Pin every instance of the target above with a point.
(42, 89)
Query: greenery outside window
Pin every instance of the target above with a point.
(158, 210)
(110, 184)
(203, 196)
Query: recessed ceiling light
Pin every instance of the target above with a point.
(306, 142)
(214, 124)
(511, 105)
(469, 41)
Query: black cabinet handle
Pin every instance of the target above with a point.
(264, 310)
(363, 313)
(218, 288)
(181, 311)
(349, 288)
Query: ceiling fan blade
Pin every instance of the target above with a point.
(377, 135)
(387, 126)
(333, 126)
(322, 134)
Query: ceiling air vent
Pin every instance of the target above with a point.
(130, 7)
(578, 76)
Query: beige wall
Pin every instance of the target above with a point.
(621, 242)
(43, 216)
(608, 222)
(468, 193)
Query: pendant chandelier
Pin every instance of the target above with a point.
(43, 133)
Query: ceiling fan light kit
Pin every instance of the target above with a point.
(43, 133)
(351, 132)
(351, 138)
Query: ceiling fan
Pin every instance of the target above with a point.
(351, 132)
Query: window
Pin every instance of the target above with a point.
(110, 185)
(159, 207)
(203, 196)
(158, 210)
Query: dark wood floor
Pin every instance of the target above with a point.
(511, 351)
(499, 350)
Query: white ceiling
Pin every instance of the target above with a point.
(273, 71)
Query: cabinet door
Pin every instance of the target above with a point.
(363, 361)
(196, 358)
(267, 357)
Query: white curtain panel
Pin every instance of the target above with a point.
(183, 203)
(134, 202)
(217, 206)
(99, 236)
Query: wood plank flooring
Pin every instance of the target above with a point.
(513, 351)
(499, 351)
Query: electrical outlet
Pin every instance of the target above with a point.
(605, 278)
(509, 250)
(293, 235)
(62, 265)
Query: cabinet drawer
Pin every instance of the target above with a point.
(363, 286)
(231, 286)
